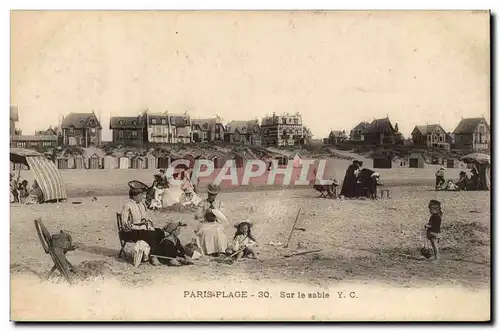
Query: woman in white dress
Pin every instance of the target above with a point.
(210, 235)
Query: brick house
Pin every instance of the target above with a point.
(381, 131)
(432, 135)
(128, 131)
(336, 137)
(472, 134)
(180, 128)
(244, 132)
(208, 130)
(81, 129)
(282, 130)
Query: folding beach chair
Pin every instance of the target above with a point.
(56, 246)
(124, 236)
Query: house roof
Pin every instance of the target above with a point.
(426, 129)
(416, 156)
(379, 125)
(337, 133)
(35, 138)
(469, 125)
(129, 122)
(244, 127)
(14, 113)
(211, 122)
(361, 126)
(79, 120)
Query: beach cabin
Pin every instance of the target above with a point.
(62, 163)
(417, 160)
(163, 162)
(452, 163)
(151, 162)
(282, 160)
(124, 162)
(79, 162)
(110, 162)
(219, 161)
(94, 161)
(189, 158)
(240, 162)
(297, 161)
(138, 163)
(71, 162)
(382, 161)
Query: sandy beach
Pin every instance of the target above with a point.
(362, 243)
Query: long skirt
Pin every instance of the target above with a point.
(211, 238)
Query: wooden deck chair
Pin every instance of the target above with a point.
(57, 254)
(123, 235)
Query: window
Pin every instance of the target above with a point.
(134, 133)
(120, 122)
(163, 121)
(153, 121)
(92, 130)
(120, 134)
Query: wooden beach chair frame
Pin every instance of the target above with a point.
(64, 267)
(123, 235)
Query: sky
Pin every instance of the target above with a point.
(335, 68)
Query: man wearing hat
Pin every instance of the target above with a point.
(136, 221)
(210, 202)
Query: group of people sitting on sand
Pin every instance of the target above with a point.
(166, 192)
(20, 193)
(161, 245)
(466, 182)
(359, 182)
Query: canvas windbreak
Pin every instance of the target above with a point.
(48, 177)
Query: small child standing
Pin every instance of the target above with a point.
(434, 226)
(242, 242)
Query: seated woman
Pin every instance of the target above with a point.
(14, 194)
(462, 181)
(23, 191)
(155, 194)
(210, 235)
(240, 246)
(136, 223)
(170, 246)
(36, 195)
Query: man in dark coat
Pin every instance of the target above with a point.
(349, 183)
(368, 183)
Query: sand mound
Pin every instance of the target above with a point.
(94, 269)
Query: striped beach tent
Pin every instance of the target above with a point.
(45, 172)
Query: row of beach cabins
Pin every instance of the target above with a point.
(136, 162)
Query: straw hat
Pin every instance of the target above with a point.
(171, 226)
(137, 187)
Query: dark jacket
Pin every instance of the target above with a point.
(171, 249)
(435, 223)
